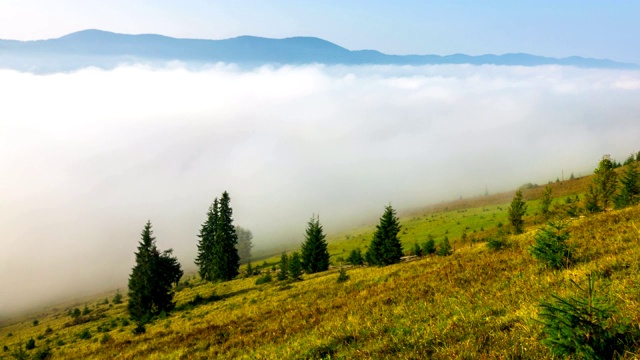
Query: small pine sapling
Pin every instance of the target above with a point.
(517, 210)
(295, 267)
(445, 248)
(249, 270)
(498, 242)
(429, 246)
(342, 276)
(117, 298)
(417, 251)
(283, 274)
(355, 257)
(551, 247)
(583, 326)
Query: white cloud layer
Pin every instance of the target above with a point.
(87, 157)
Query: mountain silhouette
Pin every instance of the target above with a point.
(107, 50)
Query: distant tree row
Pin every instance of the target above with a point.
(607, 189)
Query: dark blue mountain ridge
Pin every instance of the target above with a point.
(107, 49)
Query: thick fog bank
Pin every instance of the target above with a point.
(88, 157)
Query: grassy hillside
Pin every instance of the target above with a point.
(477, 303)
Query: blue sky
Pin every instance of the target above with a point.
(553, 28)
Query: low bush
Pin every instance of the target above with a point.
(31, 344)
(266, 278)
(342, 276)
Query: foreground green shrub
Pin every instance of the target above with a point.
(583, 326)
(551, 247)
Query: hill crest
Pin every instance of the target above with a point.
(104, 49)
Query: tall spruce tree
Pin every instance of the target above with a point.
(629, 187)
(225, 264)
(151, 279)
(517, 210)
(204, 259)
(386, 248)
(315, 256)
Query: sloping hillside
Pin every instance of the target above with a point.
(476, 303)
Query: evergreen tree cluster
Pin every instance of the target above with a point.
(609, 188)
(291, 267)
(151, 279)
(218, 258)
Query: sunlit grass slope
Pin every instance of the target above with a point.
(475, 304)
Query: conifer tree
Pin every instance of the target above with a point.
(545, 202)
(605, 181)
(314, 253)
(583, 326)
(417, 251)
(630, 187)
(591, 201)
(151, 279)
(355, 257)
(445, 249)
(244, 244)
(517, 210)
(551, 247)
(249, 271)
(429, 246)
(386, 248)
(295, 267)
(284, 267)
(204, 259)
(225, 264)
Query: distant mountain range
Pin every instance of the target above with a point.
(107, 50)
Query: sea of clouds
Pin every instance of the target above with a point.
(87, 157)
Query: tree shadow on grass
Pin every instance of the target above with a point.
(201, 300)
